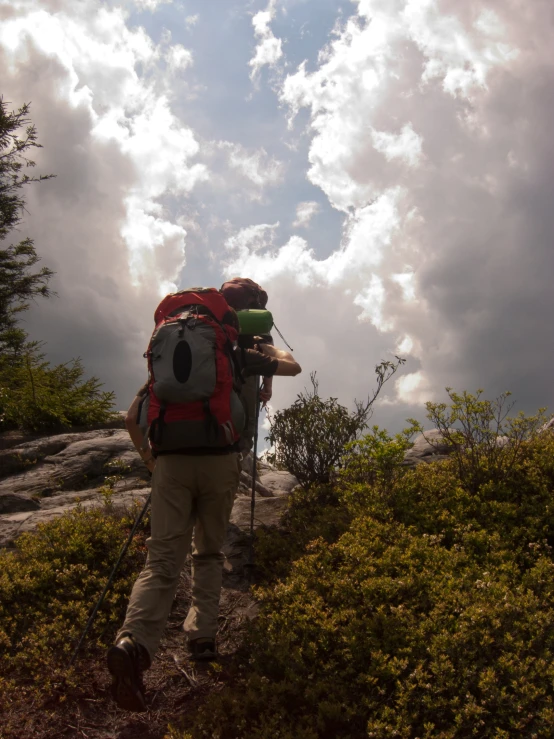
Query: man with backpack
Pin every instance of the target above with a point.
(242, 293)
(194, 418)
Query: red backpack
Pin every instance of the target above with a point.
(192, 396)
(243, 293)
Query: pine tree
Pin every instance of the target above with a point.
(33, 394)
(19, 282)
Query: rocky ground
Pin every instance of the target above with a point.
(41, 478)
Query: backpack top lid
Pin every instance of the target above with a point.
(208, 297)
(242, 293)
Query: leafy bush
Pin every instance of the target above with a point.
(326, 511)
(375, 459)
(35, 396)
(429, 617)
(484, 442)
(310, 436)
(317, 512)
(48, 586)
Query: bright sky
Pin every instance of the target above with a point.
(384, 168)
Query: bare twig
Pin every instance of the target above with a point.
(192, 682)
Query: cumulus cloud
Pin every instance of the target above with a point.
(422, 123)
(406, 145)
(117, 149)
(256, 166)
(178, 58)
(269, 49)
(427, 131)
(251, 239)
(305, 212)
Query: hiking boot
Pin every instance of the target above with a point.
(126, 661)
(203, 649)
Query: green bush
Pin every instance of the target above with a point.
(484, 442)
(48, 586)
(318, 512)
(35, 396)
(309, 437)
(429, 617)
(326, 511)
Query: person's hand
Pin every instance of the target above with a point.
(266, 390)
(148, 459)
(266, 349)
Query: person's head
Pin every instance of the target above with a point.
(242, 293)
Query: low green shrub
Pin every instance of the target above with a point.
(48, 585)
(316, 512)
(484, 442)
(514, 515)
(429, 617)
(326, 511)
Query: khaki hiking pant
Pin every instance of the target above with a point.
(188, 493)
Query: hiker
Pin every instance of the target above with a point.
(242, 293)
(194, 482)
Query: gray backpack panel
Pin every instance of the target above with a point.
(183, 361)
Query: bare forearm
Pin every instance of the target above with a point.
(137, 435)
(272, 351)
(287, 365)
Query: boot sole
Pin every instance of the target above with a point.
(126, 688)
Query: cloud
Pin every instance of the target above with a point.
(423, 124)
(252, 239)
(414, 389)
(256, 166)
(178, 58)
(151, 5)
(405, 146)
(427, 131)
(118, 150)
(269, 49)
(305, 212)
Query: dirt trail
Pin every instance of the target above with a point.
(175, 685)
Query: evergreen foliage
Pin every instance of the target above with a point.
(18, 282)
(38, 397)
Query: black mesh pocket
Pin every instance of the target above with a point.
(182, 361)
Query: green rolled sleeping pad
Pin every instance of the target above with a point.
(255, 322)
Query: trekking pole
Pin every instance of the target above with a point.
(250, 562)
(110, 580)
